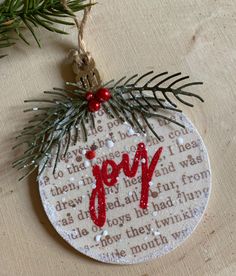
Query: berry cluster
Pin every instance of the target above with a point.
(95, 99)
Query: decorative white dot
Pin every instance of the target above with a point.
(105, 233)
(93, 186)
(143, 160)
(157, 233)
(154, 213)
(98, 238)
(180, 140)
(84, 151)
(130, 193)
(109, 143)
(130, 132)
(86, 163)
(72, 179)
(151, 183)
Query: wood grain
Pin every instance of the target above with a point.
(196, 37)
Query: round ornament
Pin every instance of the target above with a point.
(125, 197)
(124, 177)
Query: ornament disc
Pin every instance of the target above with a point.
(178, 193)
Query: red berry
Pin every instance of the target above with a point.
(93, 105)
(90, 154)
(89, 96)
(103, 95)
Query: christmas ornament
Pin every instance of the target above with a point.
(124, 176)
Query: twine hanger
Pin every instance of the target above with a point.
(87, 75)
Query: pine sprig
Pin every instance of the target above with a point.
(17, 15)
(49, 133)
(134, 99)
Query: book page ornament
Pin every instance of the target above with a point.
(125, 197)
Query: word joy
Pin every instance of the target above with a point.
(108, 174)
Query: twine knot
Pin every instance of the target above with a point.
(83, 64)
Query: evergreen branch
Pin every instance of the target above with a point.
(158, 89)
(45, 135)
(48, 134)
(16, 15)
(143, 100)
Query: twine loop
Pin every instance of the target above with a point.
(82, 62)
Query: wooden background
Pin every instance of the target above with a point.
(197, 37)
